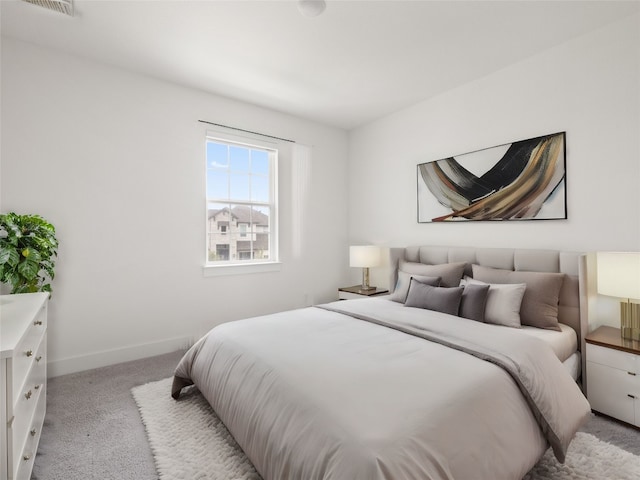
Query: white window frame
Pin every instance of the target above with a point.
(236, 266)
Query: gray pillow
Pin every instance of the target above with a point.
(540, 302)
(449, 273)
(402, 286)
(474, 301)
(440, 299)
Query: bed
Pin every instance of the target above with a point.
(412, 385)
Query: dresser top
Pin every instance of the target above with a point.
(610, 337)
(16, 311)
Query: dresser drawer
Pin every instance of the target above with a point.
(24, 468)
(24, 461)
(613, 358)
(26, 403)
(19, 434)
(26, 351)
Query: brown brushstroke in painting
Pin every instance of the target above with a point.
(445, 189)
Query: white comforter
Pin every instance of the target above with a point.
(315, 394)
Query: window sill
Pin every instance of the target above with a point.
(240, 269)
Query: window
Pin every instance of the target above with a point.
(241, 202)
(222, 251)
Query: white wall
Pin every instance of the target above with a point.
(588, 87)
(115, 161)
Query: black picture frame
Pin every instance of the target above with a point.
(522, 180)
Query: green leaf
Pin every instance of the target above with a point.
(28, 269)
(34, 256)
(9, 256)
(12, 278)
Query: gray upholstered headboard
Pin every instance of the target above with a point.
(572, 306)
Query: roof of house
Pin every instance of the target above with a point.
(243, 214)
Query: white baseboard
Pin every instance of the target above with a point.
(105, 358)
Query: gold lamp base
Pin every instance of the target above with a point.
(365, 280)
(630, 320)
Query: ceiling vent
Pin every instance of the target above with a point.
(60, 6)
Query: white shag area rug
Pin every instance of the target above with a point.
(189, 442)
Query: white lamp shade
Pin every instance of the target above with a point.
(619, 274)
(364, 256)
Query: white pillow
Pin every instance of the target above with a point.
(503, 302)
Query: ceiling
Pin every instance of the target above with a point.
(358, 61)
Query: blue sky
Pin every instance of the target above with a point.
(237, 172)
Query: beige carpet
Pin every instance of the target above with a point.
(188, 442)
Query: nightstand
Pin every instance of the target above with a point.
(613, 375)
(349, 293)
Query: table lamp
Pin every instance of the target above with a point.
(619, 276)
(364, 256)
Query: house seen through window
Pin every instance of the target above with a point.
(241, 202)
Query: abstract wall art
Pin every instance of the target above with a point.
(523, 180)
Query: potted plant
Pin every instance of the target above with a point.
(28, 246)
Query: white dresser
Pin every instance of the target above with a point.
(23, 381)
(613, 375)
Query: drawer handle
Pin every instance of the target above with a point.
(37, 323)
(39, 357)
(28, 395)
(26, 458)
(632, 373)
(33, 432)
(29, 353)
(36, 387)
(630, 396)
